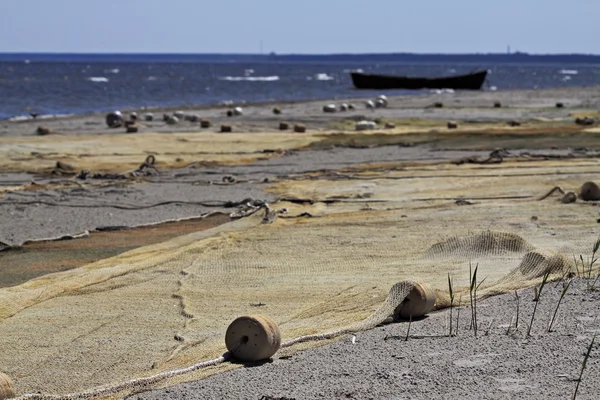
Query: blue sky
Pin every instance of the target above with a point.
(305, 26)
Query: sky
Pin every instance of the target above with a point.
(300, 26)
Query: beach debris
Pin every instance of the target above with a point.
(166, 117)
(148, 117)
(497, 104)
(589, 191)
(569, 197)
(370, 104)
(299, 128)
(495, 157)
(146, 168)
(7, 387)
(191, 118)
(343, 107)
(238, 111)
(276, 110)
(390, 125)
(418, 303)
(179, 114)
(514, 123)
(229, 179)
(114, 119)
(43, 130)
(585, 121)
(365, 125)
(551, 192)
(229, 113)
(283, 126)
(559, 105)
(350, 107)
(133, 116)
(132, 128)
(329, 108)
(438, 104)
(452, 125)
(205, 123)
(63, 168)
(225, 128)
(381, 102)
(463, 202)
(253, 338)
(172, 120)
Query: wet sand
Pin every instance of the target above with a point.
(380, 364)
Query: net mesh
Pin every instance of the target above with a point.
(166, 306)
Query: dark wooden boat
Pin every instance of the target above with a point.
(472, 81)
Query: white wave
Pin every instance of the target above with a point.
(152, 78)
(568, 72)
(112, 71)
(566, 78)
(347, 71)
(323, 77)
(18, 118)
(249, 78)
(441, 91)
(248, 72)
(98, 79)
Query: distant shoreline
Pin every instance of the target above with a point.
(516, 57)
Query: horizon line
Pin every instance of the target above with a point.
(273, 53)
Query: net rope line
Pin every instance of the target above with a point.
(395, 298)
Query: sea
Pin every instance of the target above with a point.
(64, 84)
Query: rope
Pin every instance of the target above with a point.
(138, 383)
(224, 204)
(495, 157)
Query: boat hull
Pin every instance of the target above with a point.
(472, 81)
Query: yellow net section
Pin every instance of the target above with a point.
(167, 306)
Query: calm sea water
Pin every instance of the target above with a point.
(86, 86)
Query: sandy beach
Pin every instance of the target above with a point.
(488, 173)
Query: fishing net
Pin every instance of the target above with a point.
(320, 270)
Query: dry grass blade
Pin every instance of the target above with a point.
(539, 293)
(583, 366)
(451, 291)
(472, 295)
(518, 309)
(562, 295)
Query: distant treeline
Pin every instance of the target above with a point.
(296, 58)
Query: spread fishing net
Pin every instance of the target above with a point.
(150, 317)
